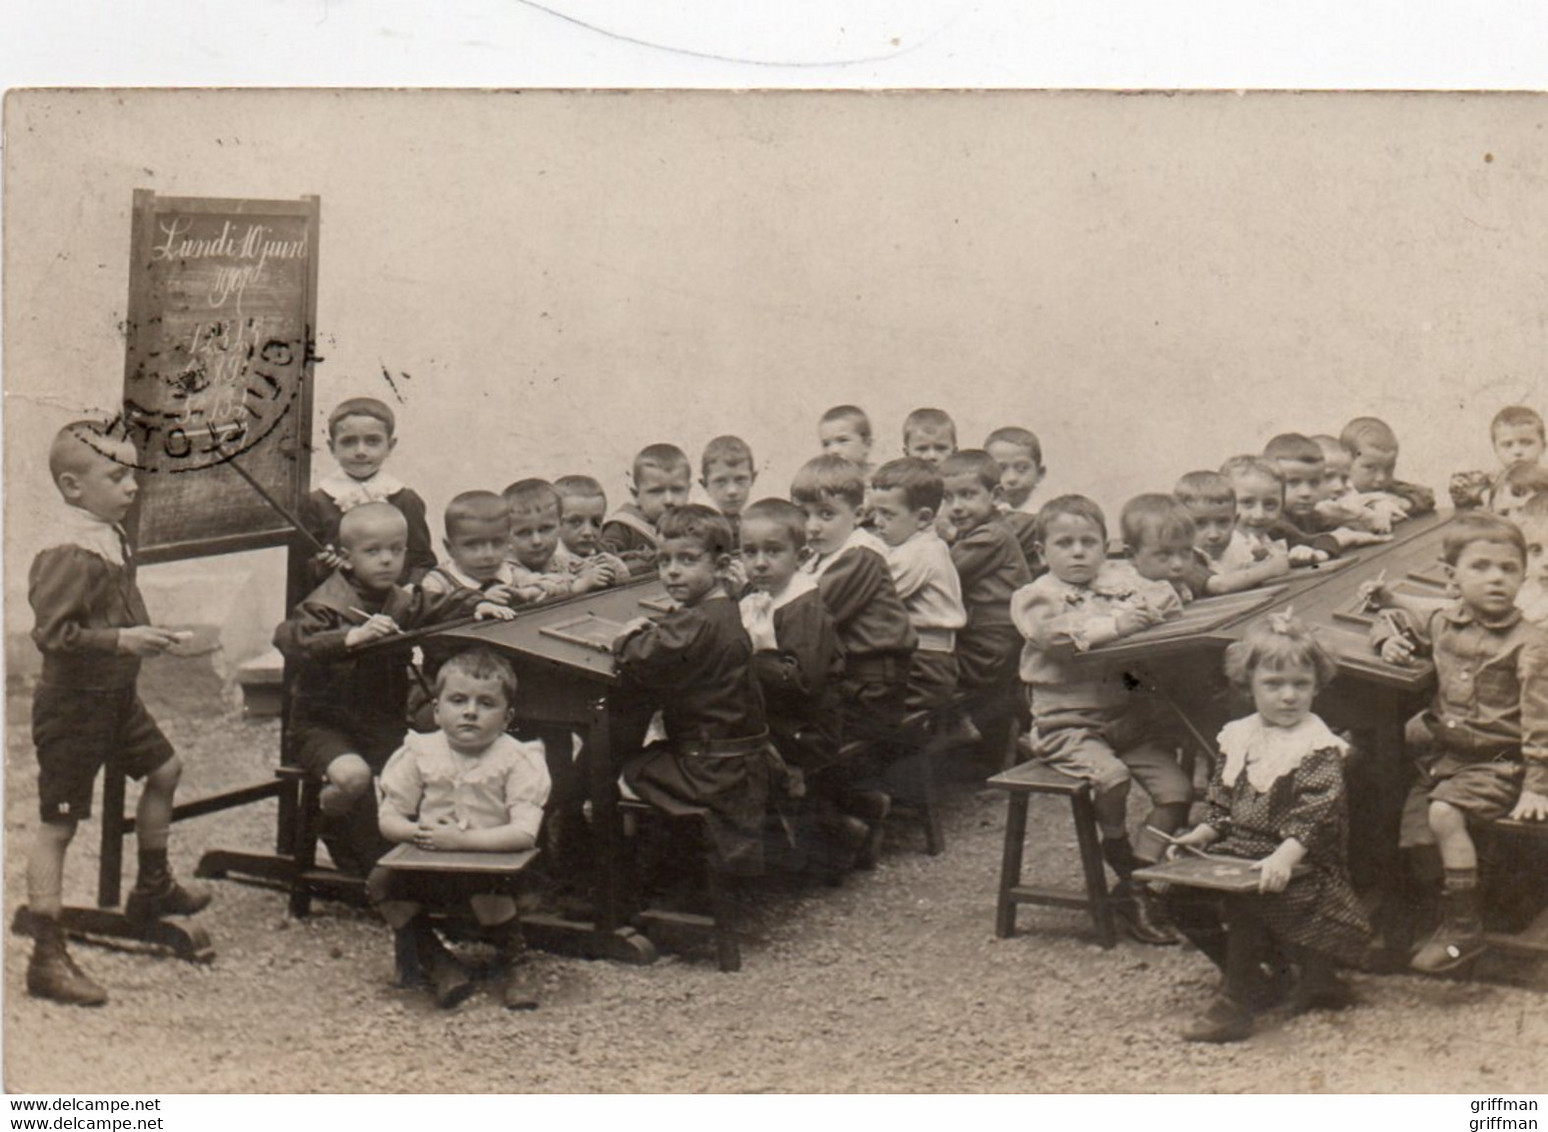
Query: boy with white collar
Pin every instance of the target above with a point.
(361, 437)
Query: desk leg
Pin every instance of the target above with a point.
(609, 937)
(1389, 781)
(606, 836)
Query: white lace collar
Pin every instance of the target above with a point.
(1268, 753)
(350, 493)
(76, 526)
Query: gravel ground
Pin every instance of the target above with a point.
(893, 982)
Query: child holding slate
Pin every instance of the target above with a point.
(467, 787)
(348, 712)
(1276, 796)
(361, 437)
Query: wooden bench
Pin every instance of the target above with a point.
(1532, 941)
(1036, 778)
(720, 924)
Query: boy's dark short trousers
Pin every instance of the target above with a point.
(316, 745)
(1485, 790)
(932, 679)
(79, 730)
(873, 696)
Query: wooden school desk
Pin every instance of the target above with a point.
(564, 679)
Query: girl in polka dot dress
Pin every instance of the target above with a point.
(1276, 796)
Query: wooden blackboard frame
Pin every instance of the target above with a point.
(295, 436)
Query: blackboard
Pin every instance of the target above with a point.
(219, 352)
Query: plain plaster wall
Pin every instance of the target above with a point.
(554, 279)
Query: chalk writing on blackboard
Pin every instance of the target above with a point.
(220, 345)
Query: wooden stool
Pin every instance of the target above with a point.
(720, 924)
(1532, 941)
(1020, 783)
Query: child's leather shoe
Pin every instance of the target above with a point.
(52, 974)
(1226, 1020)
(167, 898)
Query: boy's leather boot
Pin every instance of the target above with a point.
(154, 897)
(52, 974)
(1459, 939)
(449, 979)
(515, 984)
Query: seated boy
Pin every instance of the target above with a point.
(845, 430)
(1341, 504)
(1020, 456)
(727, 474)
(348, 712)
(465, 787)
(659, 482)
(1158, 535)
(1533, 598)
(929, 435)
(1517, 435)
(1374, 449)
(905, 503)
(361, 437)
(1520, 484)
(991, 568)
(874, 631)
(1260, 519)
(92, 629)
(695, 665)
(1482, 745)
(478, 536)
(1087, 723)
(798, 665)
(1302, 468)
(1223, 560)
(533, 554)
(582, 508)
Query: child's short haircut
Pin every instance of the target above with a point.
(526, 496)
(475, 507)
(579, 487)
(1205, 489)
(1369, 434)
(975, 462)
(480, 664)
(931, 420)
(1528, 479)
(362, 407)
(367, 515)
(1251, 466)
(1514, 416)
(1295, 447)
(728, 450)
(1021, 438)
(780, 511)
(76, 446)
(1077, 506)
(1479, 526)
(1332, 447)
(666, 458)
(1278, 642)
(919, 480)
(1534, 508)
(704, 525)
(1154, 518)
(828, 476)
(852, 415)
